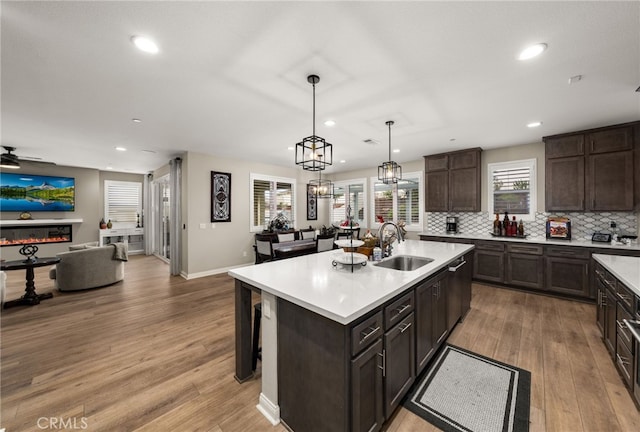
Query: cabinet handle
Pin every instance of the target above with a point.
(454, 269)
(366, 335)
(623, 361)
(402, 309)
(383, 367)
(599, 300)
(603, 298)
(624, 298)
(406, 326)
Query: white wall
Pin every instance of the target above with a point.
(229, 244)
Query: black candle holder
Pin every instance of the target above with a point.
(29, 251)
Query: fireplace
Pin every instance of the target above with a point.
(41, 234)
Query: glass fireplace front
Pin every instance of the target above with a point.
(41, 234)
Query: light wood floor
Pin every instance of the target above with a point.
(156, 353)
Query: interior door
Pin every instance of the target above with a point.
(161, 204)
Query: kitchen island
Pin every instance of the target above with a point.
(328, 332)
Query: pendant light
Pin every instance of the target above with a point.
(389, 172)
(313, 152)
(321, 188)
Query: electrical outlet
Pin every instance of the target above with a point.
(266, 308)
(244, 253)
(203, 226)
(213, 226)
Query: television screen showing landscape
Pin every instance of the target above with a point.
(32, 193)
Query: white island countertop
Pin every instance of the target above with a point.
(625, 268)
(312, 282)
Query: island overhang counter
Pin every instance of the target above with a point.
(337, 294)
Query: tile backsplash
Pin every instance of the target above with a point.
(582, 224)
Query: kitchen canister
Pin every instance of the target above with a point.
(377, 254)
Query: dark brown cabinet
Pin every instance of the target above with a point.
(366, 385)
(567, 270)
(592, 170)
(431, 322)
(488, 261)
(606, 307)
(525, 266)
(398, 363)
(452, 181)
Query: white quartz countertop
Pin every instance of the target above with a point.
(311, 281)
(538, 240)
(625, 268)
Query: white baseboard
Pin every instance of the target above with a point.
(212, 272)
(269, 409)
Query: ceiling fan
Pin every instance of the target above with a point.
(12, 161)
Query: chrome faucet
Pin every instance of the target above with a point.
(386, 251)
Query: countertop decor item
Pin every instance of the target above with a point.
(559, 228)
(25, 215)
(389, 172)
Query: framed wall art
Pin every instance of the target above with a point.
(312, 204)
(220, 197)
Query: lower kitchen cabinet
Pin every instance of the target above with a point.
(398, 363)
(431, 319)
(525, 266)
(606, 307)
(567, 270)
(366, 386)
(488, 261)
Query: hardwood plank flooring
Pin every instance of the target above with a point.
(156, 353)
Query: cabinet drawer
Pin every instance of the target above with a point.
(568, 252)
(624, 361)
(623, 332)
(365, 333)
(398, 310)
(625, 296)
(525, 249)
(496, 246)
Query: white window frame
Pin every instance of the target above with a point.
(533, 186)
(115, 183)
(365, 196)
(419, 175)
(271, 179)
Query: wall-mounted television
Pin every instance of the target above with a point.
(33, 193)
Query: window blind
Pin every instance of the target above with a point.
(123, 201)
(511, 190)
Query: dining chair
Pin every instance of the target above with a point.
(324, 242)
(344, 235)
(264, 248)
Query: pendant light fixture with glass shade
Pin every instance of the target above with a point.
(389, 172)
(313, 152)
(322, 188)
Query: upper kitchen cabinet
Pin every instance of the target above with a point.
(592, 170)
(452, 181)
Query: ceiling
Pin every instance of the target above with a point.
(230, 79)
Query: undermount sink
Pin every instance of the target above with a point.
(404, 262)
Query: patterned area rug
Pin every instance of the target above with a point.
(463, 391)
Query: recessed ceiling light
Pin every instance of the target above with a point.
(290, 148)
(330, 123)
(136, 120)
(396, 150)
(343, 161)
(109, 167)
(532, 51)
(121, 149)
(534, 124)
(145, 44)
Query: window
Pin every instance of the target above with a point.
(512, 188)
(400, 202)
(271, 197)
(349, 193)
(122, 202)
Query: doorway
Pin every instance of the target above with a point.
(161, 206)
